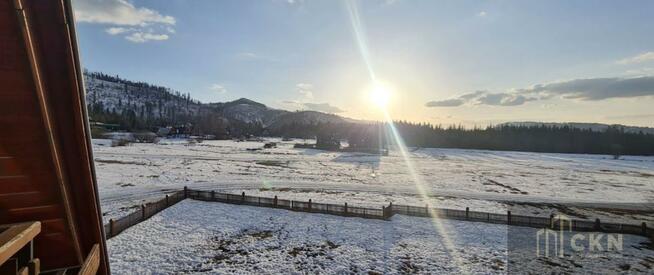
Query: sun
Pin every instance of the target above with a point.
(380, 95)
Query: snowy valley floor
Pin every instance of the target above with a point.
(195, 236)
(581, 186)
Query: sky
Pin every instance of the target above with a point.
(472, 63)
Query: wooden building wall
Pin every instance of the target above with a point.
(46, 169)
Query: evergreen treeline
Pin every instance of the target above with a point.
(541, 138)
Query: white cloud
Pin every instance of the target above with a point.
(141, 37)
(117, 30)
(481, 13)
(305, 89)
(137, 24)
(218, 88)
(304, 86)
(483, 98)
(591, 89)
(643, 57)
(453, 102)
(318, 107)
(118, 12)
(323, 107)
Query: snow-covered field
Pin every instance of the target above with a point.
(583, 186)
(195, 236)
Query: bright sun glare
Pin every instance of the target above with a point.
(380, 95)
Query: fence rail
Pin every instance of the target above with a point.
(114, 227)
(302, 206)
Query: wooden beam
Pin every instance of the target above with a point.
(15, 237)
(48, 123)
(92, 262)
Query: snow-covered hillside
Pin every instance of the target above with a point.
(113, 95)
(143, 100)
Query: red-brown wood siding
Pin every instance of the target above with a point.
(29, 187)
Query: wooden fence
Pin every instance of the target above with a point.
(553, 222)
(303, 206)
(114, 227)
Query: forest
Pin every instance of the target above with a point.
(541, 138)
(553, 139)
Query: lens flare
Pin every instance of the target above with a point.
(380, 96)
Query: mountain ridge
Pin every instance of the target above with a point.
(142, 105)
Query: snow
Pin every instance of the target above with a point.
(103, 142)
(195, 236)
(584, 186)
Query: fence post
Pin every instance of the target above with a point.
(384, 211)
(345, 209)
(390, 207)
(597, 224)
(309, 205)
(275, 201)
(167, 203)
(142, 212)
(185, 192)
(508, 217)
(644, 228)
(467, 212)
(552, 221)
(111, 228)
(243, 197)
(213, 195)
